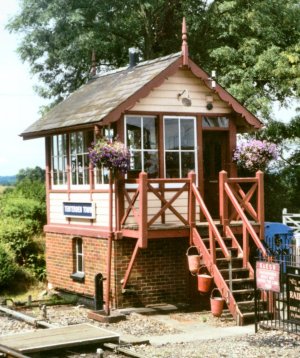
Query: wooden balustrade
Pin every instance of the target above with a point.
(231, 191)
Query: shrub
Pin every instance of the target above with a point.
(8, 266)
(22, 209)
(18, 235)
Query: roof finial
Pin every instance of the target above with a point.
(93, 68)
(184, 47)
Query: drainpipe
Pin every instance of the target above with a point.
(109, 244)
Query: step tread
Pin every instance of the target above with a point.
(233, 258)
(244, 290)
(245, 302)
(245, 279)
(235, 269)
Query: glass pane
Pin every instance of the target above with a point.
(79, 263)
(134, 139)
(172, 165)
(187, 163)
(171, 133)
(217, 122)
(151, 164)
(187, 134)
(73, 143)
(54, 145)
(79, 246)
(79, 142)
(80, 169)
(135, 164)
(150, 133)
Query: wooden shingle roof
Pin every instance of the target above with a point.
(107, 96)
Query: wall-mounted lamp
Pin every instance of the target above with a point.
(212, 79)
(209, 102)
(185, 98)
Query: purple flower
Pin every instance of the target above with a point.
(109, 154)
(255, 154)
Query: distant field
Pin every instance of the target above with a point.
(2, 188)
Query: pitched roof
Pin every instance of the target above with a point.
(101, 97)
(108, 95)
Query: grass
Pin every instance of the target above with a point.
(21, 292)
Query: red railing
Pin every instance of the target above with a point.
(214, 234)
(138, 204)
(242, 209)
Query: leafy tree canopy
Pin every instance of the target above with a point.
(254, 45)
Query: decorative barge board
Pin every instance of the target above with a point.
(58, 338)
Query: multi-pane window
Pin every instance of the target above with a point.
(180, 146)
(215, 122)
(59, 159)
(142, 141)
(101, 173)
(79, 255)
(79, 144)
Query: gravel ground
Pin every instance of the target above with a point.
(260, 345)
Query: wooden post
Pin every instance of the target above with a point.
(212, 246)
(246, 248)
(143, 211)
(119, 201)
(260, 203)
(223, 199)
(192, 205)
(109, 244)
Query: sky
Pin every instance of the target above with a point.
(19, 105)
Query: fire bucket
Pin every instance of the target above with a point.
(193, 260)
(216, 303)
(204, 281)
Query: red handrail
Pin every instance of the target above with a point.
(245, 221)
(212, 226)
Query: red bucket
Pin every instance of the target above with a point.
(193, 260)
(204, 281)
(216, 303)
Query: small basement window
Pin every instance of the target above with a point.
(78, 260)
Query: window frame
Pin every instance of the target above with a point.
(80, 154)
(180, 150)
(78, 275)
(59, 157)
(142, 149)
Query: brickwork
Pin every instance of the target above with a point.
(159, 273)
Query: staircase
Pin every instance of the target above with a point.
(235, 282)
(225, 256)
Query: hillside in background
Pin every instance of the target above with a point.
(8, 180)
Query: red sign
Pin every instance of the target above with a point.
(267, 276)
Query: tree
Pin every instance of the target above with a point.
(254, 45)
(60, 36)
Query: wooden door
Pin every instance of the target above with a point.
(215, 158)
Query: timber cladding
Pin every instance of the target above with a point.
(159, 274)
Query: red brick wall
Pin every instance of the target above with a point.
(159, 273)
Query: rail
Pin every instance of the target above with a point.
(242, 205)
(214, 233)
(139, 199)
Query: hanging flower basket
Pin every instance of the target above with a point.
(254, 155)
(110, 154)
